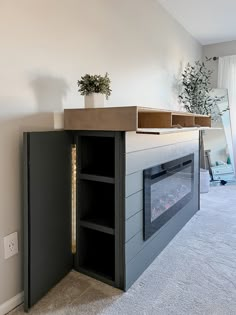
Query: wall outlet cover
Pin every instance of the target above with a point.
(10, 245)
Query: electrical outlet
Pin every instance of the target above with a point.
(10, 245)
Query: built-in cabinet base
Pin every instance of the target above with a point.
(109, 202)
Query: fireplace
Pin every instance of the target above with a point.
(168, 187)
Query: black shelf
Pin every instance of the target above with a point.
(97, 156)
(97, 275)
(97, 253)
(98, 224)
(97, 178)
(97, 203)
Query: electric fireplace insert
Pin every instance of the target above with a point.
(167, 189)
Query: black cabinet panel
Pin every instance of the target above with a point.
(47, 211)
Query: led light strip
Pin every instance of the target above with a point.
(73, 199)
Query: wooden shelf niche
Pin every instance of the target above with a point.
(170, 119)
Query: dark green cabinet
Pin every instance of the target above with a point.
(47, 208)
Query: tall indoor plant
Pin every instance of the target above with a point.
(94, 88)
(195, 95)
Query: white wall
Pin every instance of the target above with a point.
(218, 50)
(46, 46)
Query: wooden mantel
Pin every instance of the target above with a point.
(132, 118)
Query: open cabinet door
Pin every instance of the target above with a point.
(47, 212)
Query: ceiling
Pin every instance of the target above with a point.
(209, 21)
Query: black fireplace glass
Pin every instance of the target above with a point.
(167, 189)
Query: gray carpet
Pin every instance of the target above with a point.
(195, 274)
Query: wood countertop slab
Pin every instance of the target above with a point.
(131, 118)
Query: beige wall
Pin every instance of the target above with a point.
(46, 45)
(218, 50)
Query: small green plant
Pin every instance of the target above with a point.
(196, 90)
(95, 84)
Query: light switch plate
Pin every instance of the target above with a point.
(10, 245)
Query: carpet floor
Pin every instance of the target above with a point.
(195, 273)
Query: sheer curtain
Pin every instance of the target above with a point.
(227, 80)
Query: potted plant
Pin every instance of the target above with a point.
(195, 95)
(94, 88)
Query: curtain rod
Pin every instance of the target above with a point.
(215, 58)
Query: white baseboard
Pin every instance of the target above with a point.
(11, 304)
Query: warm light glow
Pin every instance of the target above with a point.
(73, 199)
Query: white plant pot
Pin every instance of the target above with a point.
(94, 100)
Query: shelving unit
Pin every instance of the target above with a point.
(98, 224)
(88, 198)
(131, 118)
